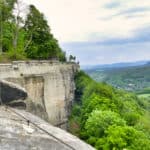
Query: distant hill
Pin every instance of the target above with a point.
(128, 76)
(148, 63)
(115, 65)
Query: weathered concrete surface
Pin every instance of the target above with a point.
(16, 134)
(50, 87)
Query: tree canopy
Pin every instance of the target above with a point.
(26, 38)
(108, 118)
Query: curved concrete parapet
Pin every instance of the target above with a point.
(20, 130)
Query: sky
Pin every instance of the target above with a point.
(100, 31)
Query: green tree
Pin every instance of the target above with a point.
(123, 137)
(6, 15)
(40, 43)
(72, 58)
(99, 121)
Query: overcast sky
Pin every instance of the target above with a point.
(100, 31)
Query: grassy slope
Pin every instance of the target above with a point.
(8, 58)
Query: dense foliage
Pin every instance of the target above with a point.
(26, 38)
(107, 118)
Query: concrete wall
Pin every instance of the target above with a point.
(50, 86)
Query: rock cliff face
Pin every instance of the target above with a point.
(49, 86)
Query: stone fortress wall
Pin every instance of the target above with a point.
(49, 85)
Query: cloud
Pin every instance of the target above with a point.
(139, 36)
(131, 12)
(112, 5)
(135, 10)
(112, 50)
(76, 20)
(106, 54)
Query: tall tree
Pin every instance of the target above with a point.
(1, 37)
(40, 42)
(6, 15)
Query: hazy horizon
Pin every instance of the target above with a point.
(126, 62)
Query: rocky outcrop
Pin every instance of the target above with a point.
(20, 130)
(49, 86)
(12, 94)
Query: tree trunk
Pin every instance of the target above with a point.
(16, 34)
(1, 33)
(28, 43)
(15, 41)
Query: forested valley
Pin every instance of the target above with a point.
(132, 78)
